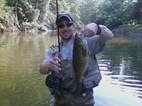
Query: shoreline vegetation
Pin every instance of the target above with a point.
(128, 31)
(121, 31)
(25, 28)
(33, 16)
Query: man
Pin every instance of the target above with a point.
(62, 66)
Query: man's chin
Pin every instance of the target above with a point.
(66, 37)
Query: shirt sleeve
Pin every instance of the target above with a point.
(48, 56)
(94, 45)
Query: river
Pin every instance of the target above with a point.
(21, 84)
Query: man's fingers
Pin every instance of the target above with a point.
(56, 59)
(57, 69)
(55, 65)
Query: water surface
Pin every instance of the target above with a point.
(21, 84)
(121, 67)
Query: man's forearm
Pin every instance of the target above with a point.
(106, 34)
(44, 68)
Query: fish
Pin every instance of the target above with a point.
(80, 60)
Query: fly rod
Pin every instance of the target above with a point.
(57, 12)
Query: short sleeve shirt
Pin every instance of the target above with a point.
(67, 48)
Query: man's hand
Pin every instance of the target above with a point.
(54, 64)
(89, 29)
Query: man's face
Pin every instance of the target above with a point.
(65, 29)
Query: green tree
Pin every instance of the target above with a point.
(22, 9)
(137, 12)
(89, 10)
(111, 13)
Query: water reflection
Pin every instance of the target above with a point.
(20, 80)
(122, 61)
(22, 85)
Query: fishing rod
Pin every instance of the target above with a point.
(57, 12)
(52, 80)
(60, 74)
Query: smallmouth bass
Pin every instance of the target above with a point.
(80, 60)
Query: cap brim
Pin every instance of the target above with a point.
(64, 15)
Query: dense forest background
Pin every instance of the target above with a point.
(42, 13)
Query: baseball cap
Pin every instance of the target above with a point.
(64, 14)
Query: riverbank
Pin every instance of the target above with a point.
(123, 31)
(128, 31)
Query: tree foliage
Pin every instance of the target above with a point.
(137, 12)
(109, 12)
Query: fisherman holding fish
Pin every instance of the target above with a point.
(73, 73)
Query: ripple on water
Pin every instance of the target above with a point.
(125, 83)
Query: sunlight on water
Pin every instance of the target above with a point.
(121, 90)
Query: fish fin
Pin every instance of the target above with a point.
(84, 52)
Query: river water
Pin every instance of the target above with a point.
(21, 84)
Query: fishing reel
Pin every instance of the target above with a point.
(52, 81)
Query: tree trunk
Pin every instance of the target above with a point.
(43, 6)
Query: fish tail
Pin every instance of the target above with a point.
(78, 89)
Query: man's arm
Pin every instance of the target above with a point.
(105, 35)
(44, 68)
(96, 38)
(91, 30)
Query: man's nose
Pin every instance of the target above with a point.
(65, 27)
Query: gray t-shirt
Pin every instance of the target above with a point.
(67, 48)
